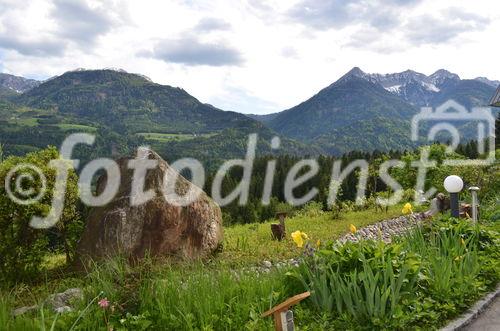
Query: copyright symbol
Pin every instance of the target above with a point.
(16, 184)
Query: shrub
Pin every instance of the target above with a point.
(310, 209)
(23, 248)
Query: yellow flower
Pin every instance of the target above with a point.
(318, 243)
(407, 209)
(352, 228)
(462, 241)
(299, 237)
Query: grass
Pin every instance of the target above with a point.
(166, 137)
(28, 121)
(249, 244)
(158, 297)
(201, 300)
(76, 127)
(32, 121)
(252, 243)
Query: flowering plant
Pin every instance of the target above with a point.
(353, 229)
(299, 238)
(407, 209)
(103, 303)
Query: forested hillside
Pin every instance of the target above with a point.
(351, 114)
(127, 110)
(363, 111)
(122, 100)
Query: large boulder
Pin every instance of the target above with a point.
(155, 228)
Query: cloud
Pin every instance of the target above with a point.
(15, 36)
(374, 42)
(80, 23)
(377, 19)
(384, 19)
(209, 24)
(75, 21)
(324, 14)
(289, 52)
(431, 29)
(320, 14)
(31, 47)
(191, 51)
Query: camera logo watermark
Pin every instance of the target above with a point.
(25, 173)
(446, 117)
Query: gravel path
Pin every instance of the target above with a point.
(385, 229)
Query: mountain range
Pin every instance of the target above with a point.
(364, 111)
(359, 111)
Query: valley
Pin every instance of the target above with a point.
(359, 111)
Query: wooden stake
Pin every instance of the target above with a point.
(284, 306)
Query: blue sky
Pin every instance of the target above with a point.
(249, 56)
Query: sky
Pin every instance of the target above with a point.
(250, 56)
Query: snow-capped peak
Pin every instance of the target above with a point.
(440, 76)
(355, 72)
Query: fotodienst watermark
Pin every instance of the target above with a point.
(443, 119)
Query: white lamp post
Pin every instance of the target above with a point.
(473, 191)
(454, 184)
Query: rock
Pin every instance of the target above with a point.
(267, 264)
(59, 302)
(23, 310)
(157, 227)
(63, 309)
(64, 299)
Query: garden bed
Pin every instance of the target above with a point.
(422, 279)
